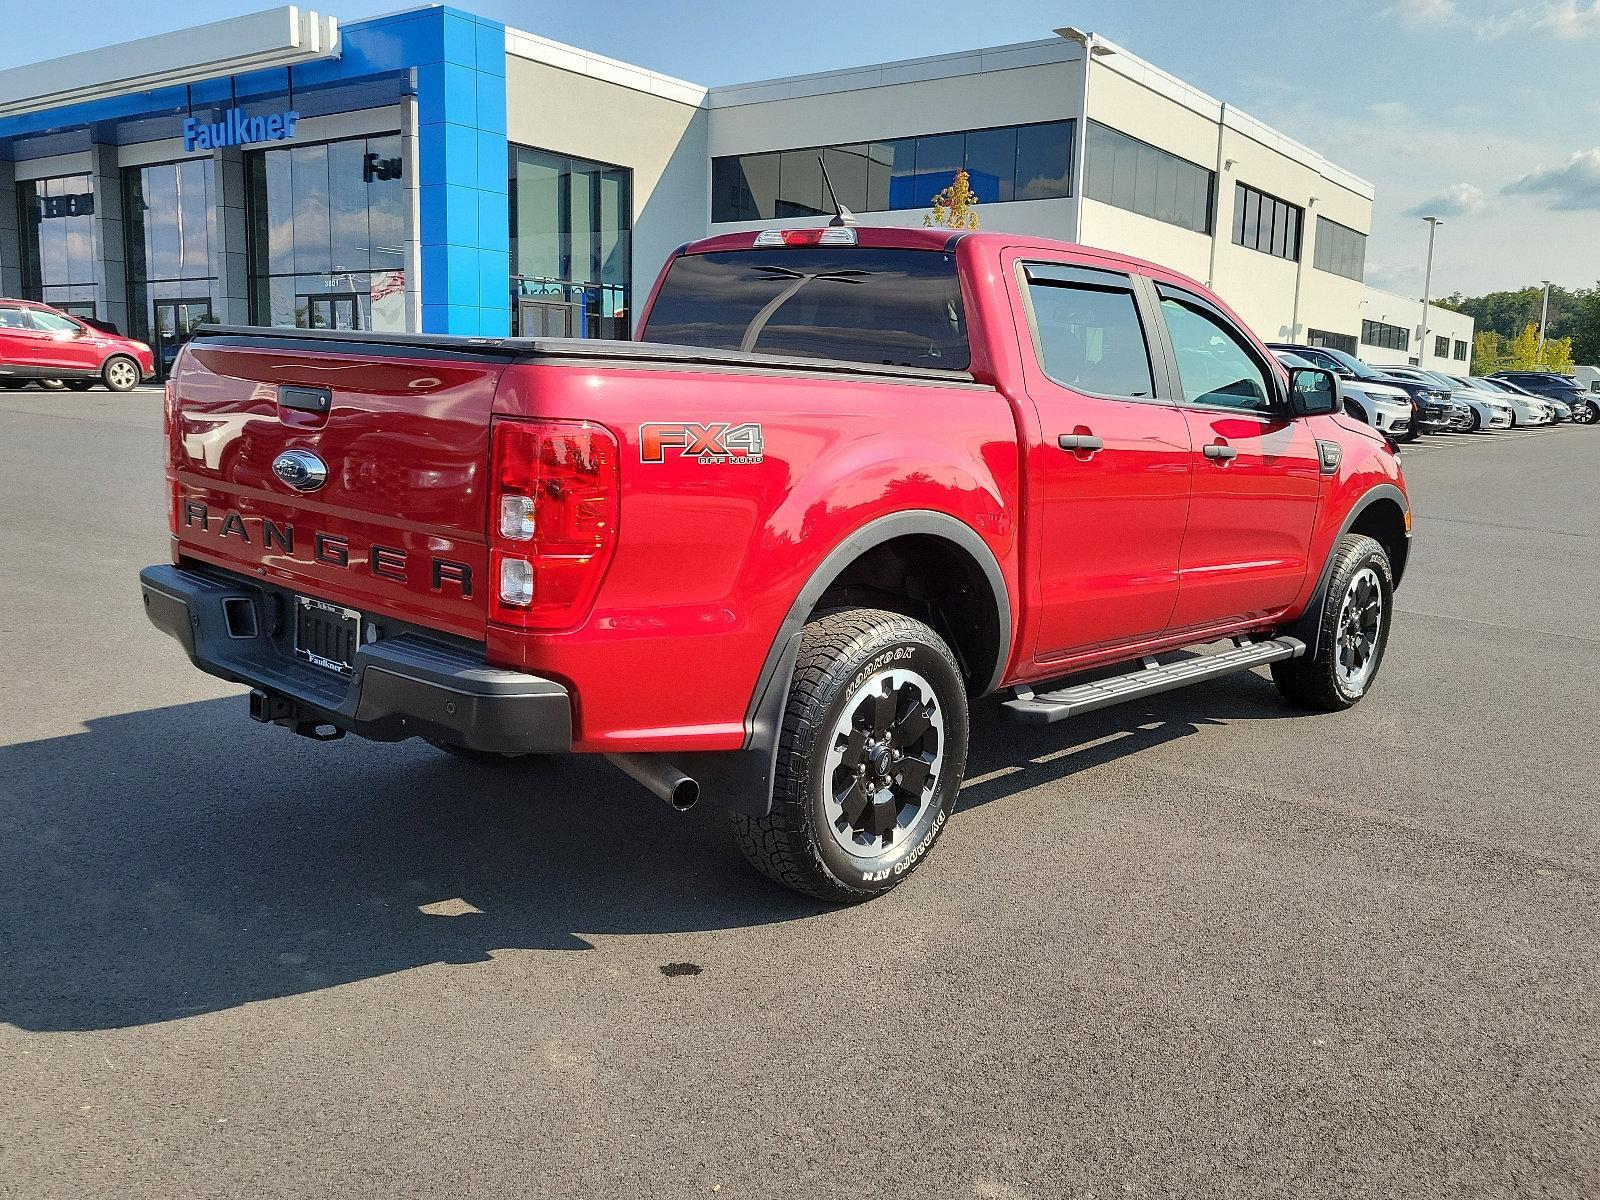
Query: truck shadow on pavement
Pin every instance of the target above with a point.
(181, 860)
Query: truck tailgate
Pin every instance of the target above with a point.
(396, 523)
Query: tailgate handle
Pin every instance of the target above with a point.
(305, 399)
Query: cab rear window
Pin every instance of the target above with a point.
(848, 303)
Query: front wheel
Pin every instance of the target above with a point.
(1476, 422)
(79, 385)
(1587, 413)
(870, 759)
(1357, 611)
(120, 374)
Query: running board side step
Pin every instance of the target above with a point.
(1042, 708)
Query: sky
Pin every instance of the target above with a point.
(1483, 112)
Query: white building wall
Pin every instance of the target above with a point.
(562, 100)
(1043, 81)
(1406, 312)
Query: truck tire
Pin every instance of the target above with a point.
(120, 374)
(1356, 616)
(870, 758)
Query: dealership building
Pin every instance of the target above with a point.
(435, 171)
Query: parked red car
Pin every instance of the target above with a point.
(38, 342)
(847, 482)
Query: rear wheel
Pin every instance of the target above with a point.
(870, 759)
(120, 374)
(1356, 614)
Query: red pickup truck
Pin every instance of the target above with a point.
(845, 482)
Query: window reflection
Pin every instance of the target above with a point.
(571, 245)
(1010, 162)
(327, 234)
(169, 226)
(57, 228)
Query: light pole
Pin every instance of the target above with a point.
(1544, 316)
(1093, 48)
(1427, 290)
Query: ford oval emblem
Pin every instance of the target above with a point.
(301, 470)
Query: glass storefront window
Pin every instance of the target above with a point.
(327, 228)
(571, 245)
(57, 225)
(170, 224)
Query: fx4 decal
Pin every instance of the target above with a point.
(719, 442)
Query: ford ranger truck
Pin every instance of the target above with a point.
(845, 483)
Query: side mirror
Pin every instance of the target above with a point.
(1313, 392)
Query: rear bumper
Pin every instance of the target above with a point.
(401, 687)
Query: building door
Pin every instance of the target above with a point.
(175, 323)
(545, 318)
(333, 312)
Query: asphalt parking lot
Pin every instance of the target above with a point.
(1196, 947)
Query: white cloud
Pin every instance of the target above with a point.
(1574, 187)
(1570, 20)
(1423, 14)
(1457, 200)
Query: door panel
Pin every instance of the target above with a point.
(1110, 465)
(64, 343)
(1257, 474)
(545, 318)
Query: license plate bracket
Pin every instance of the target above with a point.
(326, 635)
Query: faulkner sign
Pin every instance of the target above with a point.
(237, 128)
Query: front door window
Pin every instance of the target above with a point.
(1215, 369)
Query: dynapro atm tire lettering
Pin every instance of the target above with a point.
(719, 442)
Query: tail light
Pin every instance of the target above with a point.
(552, 520)
(828, 235)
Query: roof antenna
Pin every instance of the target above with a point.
(841, 214)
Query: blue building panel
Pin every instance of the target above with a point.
(451, 61)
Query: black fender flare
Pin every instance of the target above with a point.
(742, 780)
(1308, 626)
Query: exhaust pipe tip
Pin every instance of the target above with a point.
(661, 778)
(685, 795)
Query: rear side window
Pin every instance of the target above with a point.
(1090, 339)
(51, 322)
(852, 304)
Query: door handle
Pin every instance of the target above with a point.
(1080, 442)
(1222, 451)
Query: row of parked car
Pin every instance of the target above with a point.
(1403, 403)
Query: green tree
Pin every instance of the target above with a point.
(1489, 353)
(1585, 327)
(956, 207)
(1525, 354)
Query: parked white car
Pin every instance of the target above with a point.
(1387, 409)
(1489, 409)
(1525, 410)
